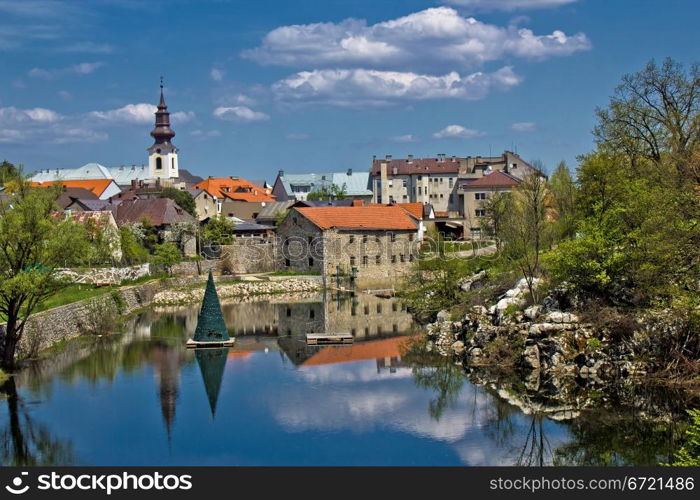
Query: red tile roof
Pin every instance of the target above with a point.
(495, 179)
(367, 217)
(375, 349)
(234, 189)
(97, 186)
(417, 166)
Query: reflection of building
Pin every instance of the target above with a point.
(387, 353)
(167, 360)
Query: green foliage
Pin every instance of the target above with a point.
(9, 172)
(167, 254)
(334, 192)
(279, 216)
(183, 198)
(563, 191)
(133, 252)
(689, 454)
(219, 230)
(33, 245)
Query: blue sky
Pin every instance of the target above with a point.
(255, 87)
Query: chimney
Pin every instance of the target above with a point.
(388, 157)
(349, 172)
(410, 158)
(280, 173)
(133, 184)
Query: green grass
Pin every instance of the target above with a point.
(295, 273)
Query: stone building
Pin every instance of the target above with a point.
(367, 242)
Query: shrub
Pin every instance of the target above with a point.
(689, 454)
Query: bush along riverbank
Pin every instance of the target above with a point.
(564, 354)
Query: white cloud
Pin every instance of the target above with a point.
(457, 132)
(87, 48)
(239, 113)
(216, 74)
(403, 139)
(205, 134)
(523, 127)
(436, 39)
(363, 87)
(138, 113)
(76, 69)
(65, 95)
(41, 124)
(507, 5)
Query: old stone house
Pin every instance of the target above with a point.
(368, 242)
(104, 221)
(236, 197)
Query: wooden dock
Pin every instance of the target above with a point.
(193, 344)
(328, 338)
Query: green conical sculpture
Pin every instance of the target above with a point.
(212, 363)
(211, 329)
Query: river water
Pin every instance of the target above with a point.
(141, 398)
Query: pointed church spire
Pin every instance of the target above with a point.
(162, 133)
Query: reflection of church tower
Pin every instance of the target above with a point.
(162, 156)
(167, 366)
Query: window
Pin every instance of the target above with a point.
(365, 260)
(393, 259)
(287, 262)
(366, 331)
(379, 308)
(352, 261)
(411, 258)
(441, 179)
(420, 191)
(480, 212)
(405, 183)
(159, 163)
(391, 183)
(366, 310)
(311, 314)
(311, 261)
(378, 259)
(402, 257)
(451, 183)
(395, 328)
(364, 238)
(441, 195)
(289, 312)
(410, 237)
(393, 237)
(352, 238)
(376, 239)
(172, 162)
(353, 310)
(405, 197)
(480, 196)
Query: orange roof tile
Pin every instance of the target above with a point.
(234, 189)
(97, 186)
(374, 349)
(366, 217)
(415, 209)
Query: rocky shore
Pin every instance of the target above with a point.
(541, 338)
(238, 290)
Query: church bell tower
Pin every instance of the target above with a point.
(162, 156)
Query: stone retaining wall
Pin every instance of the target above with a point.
(107, 275)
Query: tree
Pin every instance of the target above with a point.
(689, 454)
(8, 172)
(133, 252)
(334, 192)
(655, 112)
(525, 228)
(497, 208)
(563, 191)
(33, 245)
(182, 198)
(219, 230)
(280, 215)
(167, 255)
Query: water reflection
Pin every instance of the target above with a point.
(135, 398)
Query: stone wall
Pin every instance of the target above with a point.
(250, 256)
(194, 268)
(107, 275)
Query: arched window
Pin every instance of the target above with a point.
(159, 163)
(172, 162)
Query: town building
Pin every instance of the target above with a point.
(365, 242)
(236, 197)
(475, 193)
(101, 188)
(354, 185)
(439, 181)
